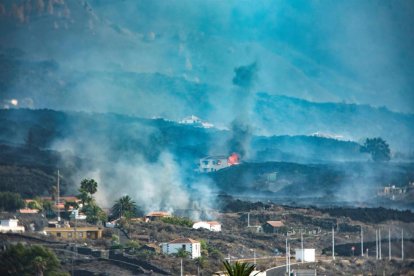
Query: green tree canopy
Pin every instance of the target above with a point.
(239, 269)
(378, 148)
(87, 189)
(124, 206)
(94, 213)
(10, 201)
(27, 260)
(89, 185)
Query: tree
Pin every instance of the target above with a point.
(182, 253)
(39, 265)
(378, 148)
(94, 213)
(10, 201)
(201, 262)
(87, 189)
(239, 269)
(124, 206)
(25, 260)
(89, 185)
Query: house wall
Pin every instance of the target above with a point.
(216, 228)
(70, 234)
(308, 254)
(201, 224)
(213, 164)
(10, 225)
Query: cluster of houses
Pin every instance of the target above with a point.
(396, 193)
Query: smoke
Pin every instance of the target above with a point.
(240, 128)
(155, 179)
(245, 76)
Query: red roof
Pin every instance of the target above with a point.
(184, 240)
(213, 223)
(275, 223)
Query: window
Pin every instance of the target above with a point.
(88, 234)
(59, 234)
(80, 235)
(70, 235)
(183, 246)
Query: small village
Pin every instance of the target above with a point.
(277, 240)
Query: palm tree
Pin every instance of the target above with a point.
(239, 269)
(39, 265)
(124, 205)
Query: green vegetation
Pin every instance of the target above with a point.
(124, 207)
(178, 221)
(93, 212)
(87, 189)
(239, 269)
(378, 148)
(182, 253)
(10, 201)
(22, 260)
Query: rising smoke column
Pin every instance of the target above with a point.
(241, 130)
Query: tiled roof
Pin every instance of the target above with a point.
(184, 240)
(213, 222)
(275, 223)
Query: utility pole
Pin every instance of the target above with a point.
(333, 243)
(402, 244)
(289, 260)
(254, 256)
(287, 254)
(58, 195)
(362, 242)
(380, 243)
(376, 244)
(181, 267)
(389, 243)
(248, 219)
(301, 242)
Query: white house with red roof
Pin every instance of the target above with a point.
(214, 226)
(191, 246)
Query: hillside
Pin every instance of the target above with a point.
(124, 149)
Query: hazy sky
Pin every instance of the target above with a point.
(352, 51)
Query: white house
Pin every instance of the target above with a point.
(10, 225)
(308, 254)
(191, 246)
(195, 121)
(209, 225)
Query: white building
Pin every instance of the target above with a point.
(10, 225)
(191, 246)
(209, 225)
(195, 121)
(308, 254)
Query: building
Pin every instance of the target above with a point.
(28, 211)
(195, 121)
(308, 254)
(10, 225)
(66, 233)
(214, 226)
(218, 162)
(272, 226)
(157, 215)
(191, 246)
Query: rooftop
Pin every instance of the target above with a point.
(184, 240)
(158, 214)
(275, 223)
